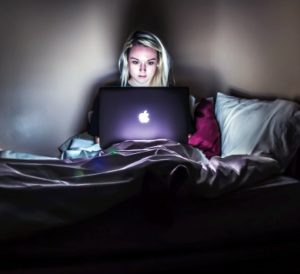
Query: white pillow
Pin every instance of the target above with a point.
(253, 126)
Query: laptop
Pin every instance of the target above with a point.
(143, 113)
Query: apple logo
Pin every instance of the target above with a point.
(144, 117)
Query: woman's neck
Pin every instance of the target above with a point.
(133, 83)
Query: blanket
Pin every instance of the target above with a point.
(37, 194)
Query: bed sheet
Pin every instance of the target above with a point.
(38, 194)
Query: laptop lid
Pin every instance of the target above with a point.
(143, 113)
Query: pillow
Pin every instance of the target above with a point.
(207, 134)
(253, 126)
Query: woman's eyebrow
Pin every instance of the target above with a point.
(152, 59)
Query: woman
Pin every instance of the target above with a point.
(144, 54)
(144, 61)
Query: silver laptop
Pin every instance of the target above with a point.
(143, 113)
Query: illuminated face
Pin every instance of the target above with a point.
(142, 64)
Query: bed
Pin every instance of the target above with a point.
(161, 206)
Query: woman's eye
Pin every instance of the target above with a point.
(151, 63)
(134, 62)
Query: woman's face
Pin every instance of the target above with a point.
(142, 64)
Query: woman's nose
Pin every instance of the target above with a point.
(143, 67)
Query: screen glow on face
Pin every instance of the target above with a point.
(142, 65)
(144, 117)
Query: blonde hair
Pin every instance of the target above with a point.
(147, 39)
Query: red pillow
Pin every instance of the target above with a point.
(207, 134)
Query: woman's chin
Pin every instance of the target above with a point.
(139, 83)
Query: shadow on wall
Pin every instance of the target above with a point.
(146, 15)
(202, 82)
(248, 94)
(107, 80)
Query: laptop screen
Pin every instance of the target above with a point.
(143, 113)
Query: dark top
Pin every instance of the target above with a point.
(93, 125)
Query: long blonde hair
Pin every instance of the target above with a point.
(147, 39)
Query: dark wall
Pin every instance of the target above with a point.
(256, 46)
(55, 54)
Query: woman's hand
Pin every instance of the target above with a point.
(97, 139)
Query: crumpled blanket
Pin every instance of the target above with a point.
(37, 194)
